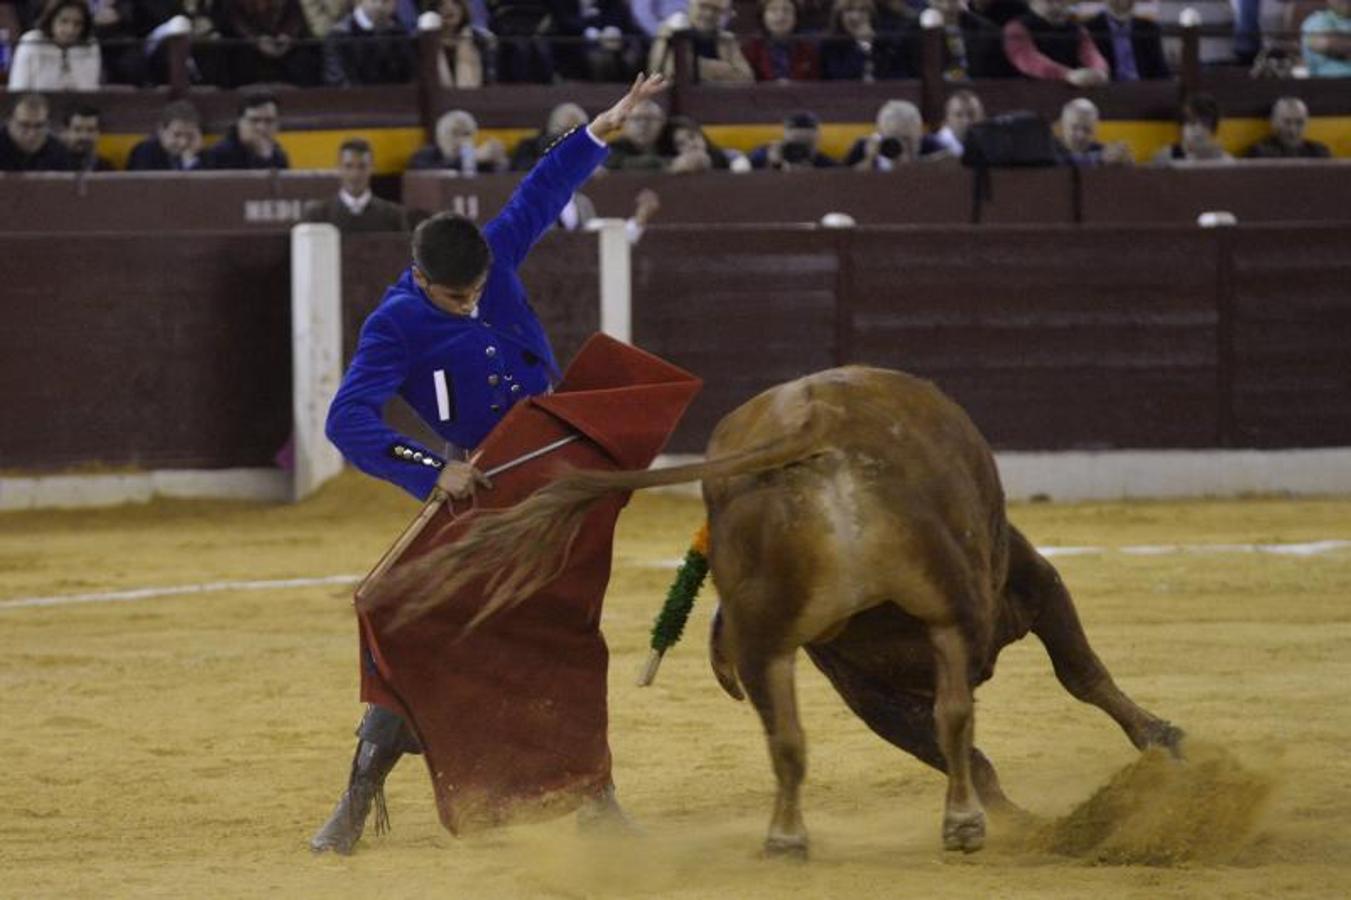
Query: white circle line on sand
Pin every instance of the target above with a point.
(1313, 548)
(176, 590)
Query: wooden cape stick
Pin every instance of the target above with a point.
(433, 505)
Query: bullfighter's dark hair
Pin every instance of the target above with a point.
(450, 250)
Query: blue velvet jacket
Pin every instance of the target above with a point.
(460, 373)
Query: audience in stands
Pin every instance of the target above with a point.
(798, 149)
(973, 46)
(468, 54)
(562, 118)
(602, 42)
(456, 148)
(1289, 118)
(1326, 39)
(27, 144)
(322, 15)
(522, 28)
(354, 209)
(1000, 12)
(251, 143)
(1047, 44)
(369, 46)
(637, 147)
(1200, 120)
(853, 51)
(1132, 45)
(688, 150)
(270, 33)
(80, 135)
(209, 59)
(652, 14)
(175, 146)
(717, 54)
(1078, 144)
(60, 54)
(779, 52)
(899, 139)
(962, 110)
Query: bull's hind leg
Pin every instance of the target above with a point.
(954, 716)
(769, 682)
(1036, 584)
(904, 719)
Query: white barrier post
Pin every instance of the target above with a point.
(316, 351)
(616, 314)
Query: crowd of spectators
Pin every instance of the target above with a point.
(80, 44)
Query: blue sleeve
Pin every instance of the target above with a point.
(541, 196)
(355, 425)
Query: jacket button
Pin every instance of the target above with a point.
(493, 380)
(510, 377)
(491, 351)
(496, 407)
(515, 388)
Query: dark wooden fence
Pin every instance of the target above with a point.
(153, 350)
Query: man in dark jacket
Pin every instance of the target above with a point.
(81, 138)
(176, 144)
(369, 46)
(251, 142)
(1132, 46)
(1289, 118)
(26, 143)
(355, 210)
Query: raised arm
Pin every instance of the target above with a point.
(541, 196)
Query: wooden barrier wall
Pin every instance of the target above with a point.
(155, 351)
(926, 194)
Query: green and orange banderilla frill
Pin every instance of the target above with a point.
(670, 623)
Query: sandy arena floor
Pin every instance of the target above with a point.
(188, 745)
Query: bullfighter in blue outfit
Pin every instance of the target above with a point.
(455, 337)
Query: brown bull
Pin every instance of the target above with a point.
(856, 513)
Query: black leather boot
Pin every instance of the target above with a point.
(384, 737)
(365, 788)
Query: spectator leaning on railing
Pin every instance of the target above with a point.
(251, 143)
(1132, 45)
(779, 52)
(1046, 43)
(1289, 117)
(80, 135)
(689, 150)
(1200, 120)
(175, 146)
(963, 109)
(27, 144)
(456, 150)
(60, 54)
(1327, 41)
(853, 50)
(1078, 144)
(798, 149)
(562, 118)
(717, 54)
(271, 35)
(468, 53)
(369, 46)
(637, 147)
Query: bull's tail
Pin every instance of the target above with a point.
(521, 549)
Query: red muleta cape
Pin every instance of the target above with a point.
(512, 717)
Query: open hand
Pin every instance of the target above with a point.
(645, 87)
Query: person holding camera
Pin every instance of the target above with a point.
(797, 150)
(899, 139)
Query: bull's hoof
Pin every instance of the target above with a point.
(964, 831)
(1166, 735)
(786, 846)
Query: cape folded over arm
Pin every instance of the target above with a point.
(512, 717)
